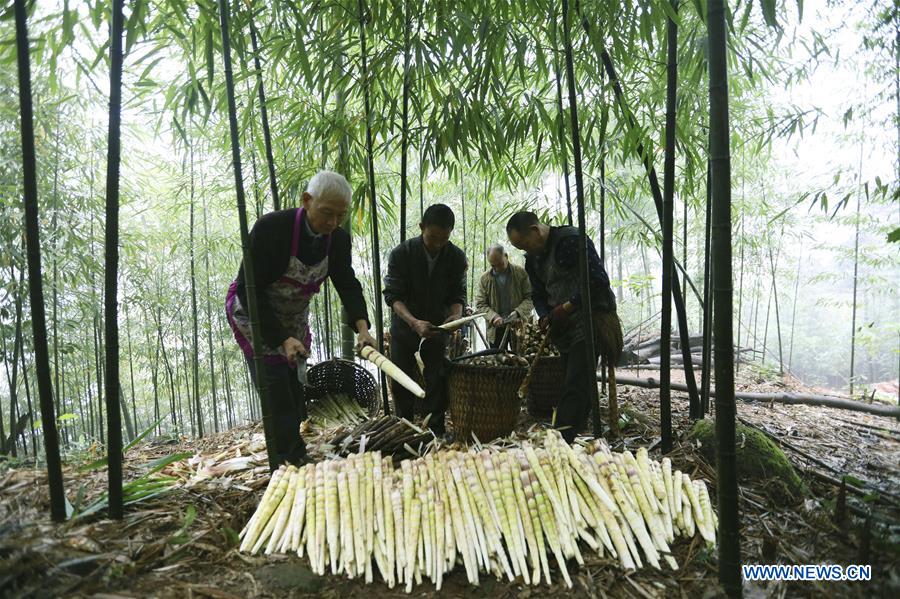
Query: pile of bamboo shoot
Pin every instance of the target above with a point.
(509, 512)
(531, 342)
(390, 435)
(336, 409)
(495, 360)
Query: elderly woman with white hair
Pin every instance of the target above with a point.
(293, 252)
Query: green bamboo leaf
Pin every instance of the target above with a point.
(132, 24)
(146, 496)
(303, 58)
(149, 68)
(700, 6)
(153, 426)
(894, 236)
(95, 465)
(670, 11)
(207, 103)
(96, 12)
(160, 463)
(769, 12)
(209, 52)
(68, 24)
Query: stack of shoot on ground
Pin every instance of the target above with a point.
(512, 513)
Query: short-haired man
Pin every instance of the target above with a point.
(504, 294)
(425, 286)
(293, 252)
(552, 265)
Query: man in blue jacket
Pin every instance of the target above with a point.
(551, 261)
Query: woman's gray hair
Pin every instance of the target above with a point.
(329, 183)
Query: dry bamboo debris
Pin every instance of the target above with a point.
(390, 435)
(506, 512)
(336, 409)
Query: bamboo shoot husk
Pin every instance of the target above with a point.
(392, 370)
(459, 322)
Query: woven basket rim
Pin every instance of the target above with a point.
(338, 359)
(480, 367)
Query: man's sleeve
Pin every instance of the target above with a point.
(348, 287)
(395, 283)
(456, 292)
(526, 305)
(599, 280)
(538, 291)
(268, 246)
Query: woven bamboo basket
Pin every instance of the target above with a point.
(484, 400)
(343, 376)
(546, 386)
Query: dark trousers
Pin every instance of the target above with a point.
(498, 336)
(288, 409)
(403, 354)
(574, 406)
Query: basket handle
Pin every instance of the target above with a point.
(523, 388)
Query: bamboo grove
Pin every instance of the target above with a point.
(477, 105)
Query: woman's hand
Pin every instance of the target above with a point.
(292, 348)
(363, 339)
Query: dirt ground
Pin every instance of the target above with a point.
(182, 543)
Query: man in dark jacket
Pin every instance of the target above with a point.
(425, 286)
(551, 262)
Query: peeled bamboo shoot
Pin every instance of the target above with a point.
(391, 370)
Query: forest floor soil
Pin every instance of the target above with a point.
(182, 543)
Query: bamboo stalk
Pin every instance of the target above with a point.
(668, 258)
(35, 284)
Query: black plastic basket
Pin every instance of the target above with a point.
(343, 376)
